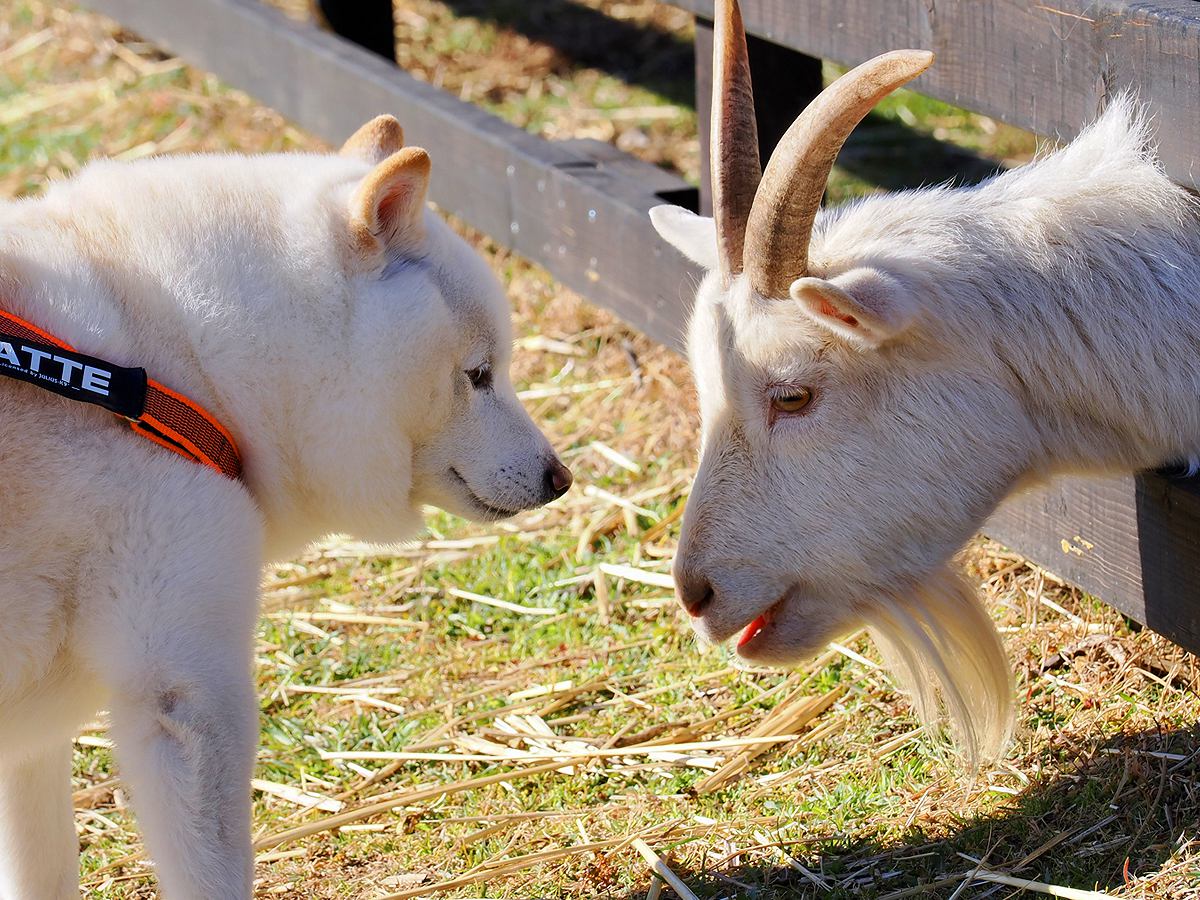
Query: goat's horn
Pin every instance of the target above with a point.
(733, 151)
(781, 218)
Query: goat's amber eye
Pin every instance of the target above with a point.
(793, 401)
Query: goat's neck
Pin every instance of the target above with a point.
(1103, 350)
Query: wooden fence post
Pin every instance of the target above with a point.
(369, 23)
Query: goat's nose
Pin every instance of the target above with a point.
(558, 478)
(695, 592)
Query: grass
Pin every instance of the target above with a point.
(368, 651)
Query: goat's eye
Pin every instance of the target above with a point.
(793, 400)
(480, 377)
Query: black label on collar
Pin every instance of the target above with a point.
(74, 375)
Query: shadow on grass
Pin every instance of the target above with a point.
(652, 57)
(1121, 809)
(885, 153)
(893, 156)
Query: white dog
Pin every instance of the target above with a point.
(355, 348)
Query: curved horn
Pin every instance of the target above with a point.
(781, 219)
(733, 148)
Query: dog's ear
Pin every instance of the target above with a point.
(387, 209)
(375, 141)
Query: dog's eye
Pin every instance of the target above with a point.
(792, 400)
(480, 377)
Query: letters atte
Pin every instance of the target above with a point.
(74, 375)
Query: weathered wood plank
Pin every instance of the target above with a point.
(1133, 541)
(1046, 66)
(577, 208)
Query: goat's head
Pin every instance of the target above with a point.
(836, 424)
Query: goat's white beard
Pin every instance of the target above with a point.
(945, 650)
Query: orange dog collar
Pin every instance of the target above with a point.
(154, 411)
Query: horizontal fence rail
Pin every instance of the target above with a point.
(1044, 65)
(576, 207)
(579, 207)
(1133, 541)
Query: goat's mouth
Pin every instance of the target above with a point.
(479, 506)
(795, 628)
(759, 631)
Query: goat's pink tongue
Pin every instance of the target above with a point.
(752, 631)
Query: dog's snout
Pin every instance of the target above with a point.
(695, 592)
(558, 479)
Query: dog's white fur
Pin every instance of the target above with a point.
(327, 319)
(960, 344)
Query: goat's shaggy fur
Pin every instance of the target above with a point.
(960, 344)
(1076, 279)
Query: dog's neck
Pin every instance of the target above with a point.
(231, 294)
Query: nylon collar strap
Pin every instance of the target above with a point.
(155, 412)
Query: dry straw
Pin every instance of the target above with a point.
(621, 406)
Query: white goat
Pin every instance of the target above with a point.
(875, 378)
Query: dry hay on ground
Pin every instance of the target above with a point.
(556, 635)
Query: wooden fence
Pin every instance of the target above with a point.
(578, 207)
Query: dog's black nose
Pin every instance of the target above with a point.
(558, 479)
(695, 592)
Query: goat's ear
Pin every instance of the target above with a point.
(375, 141)
(387, 209)
(865, 306)
(692, 235)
